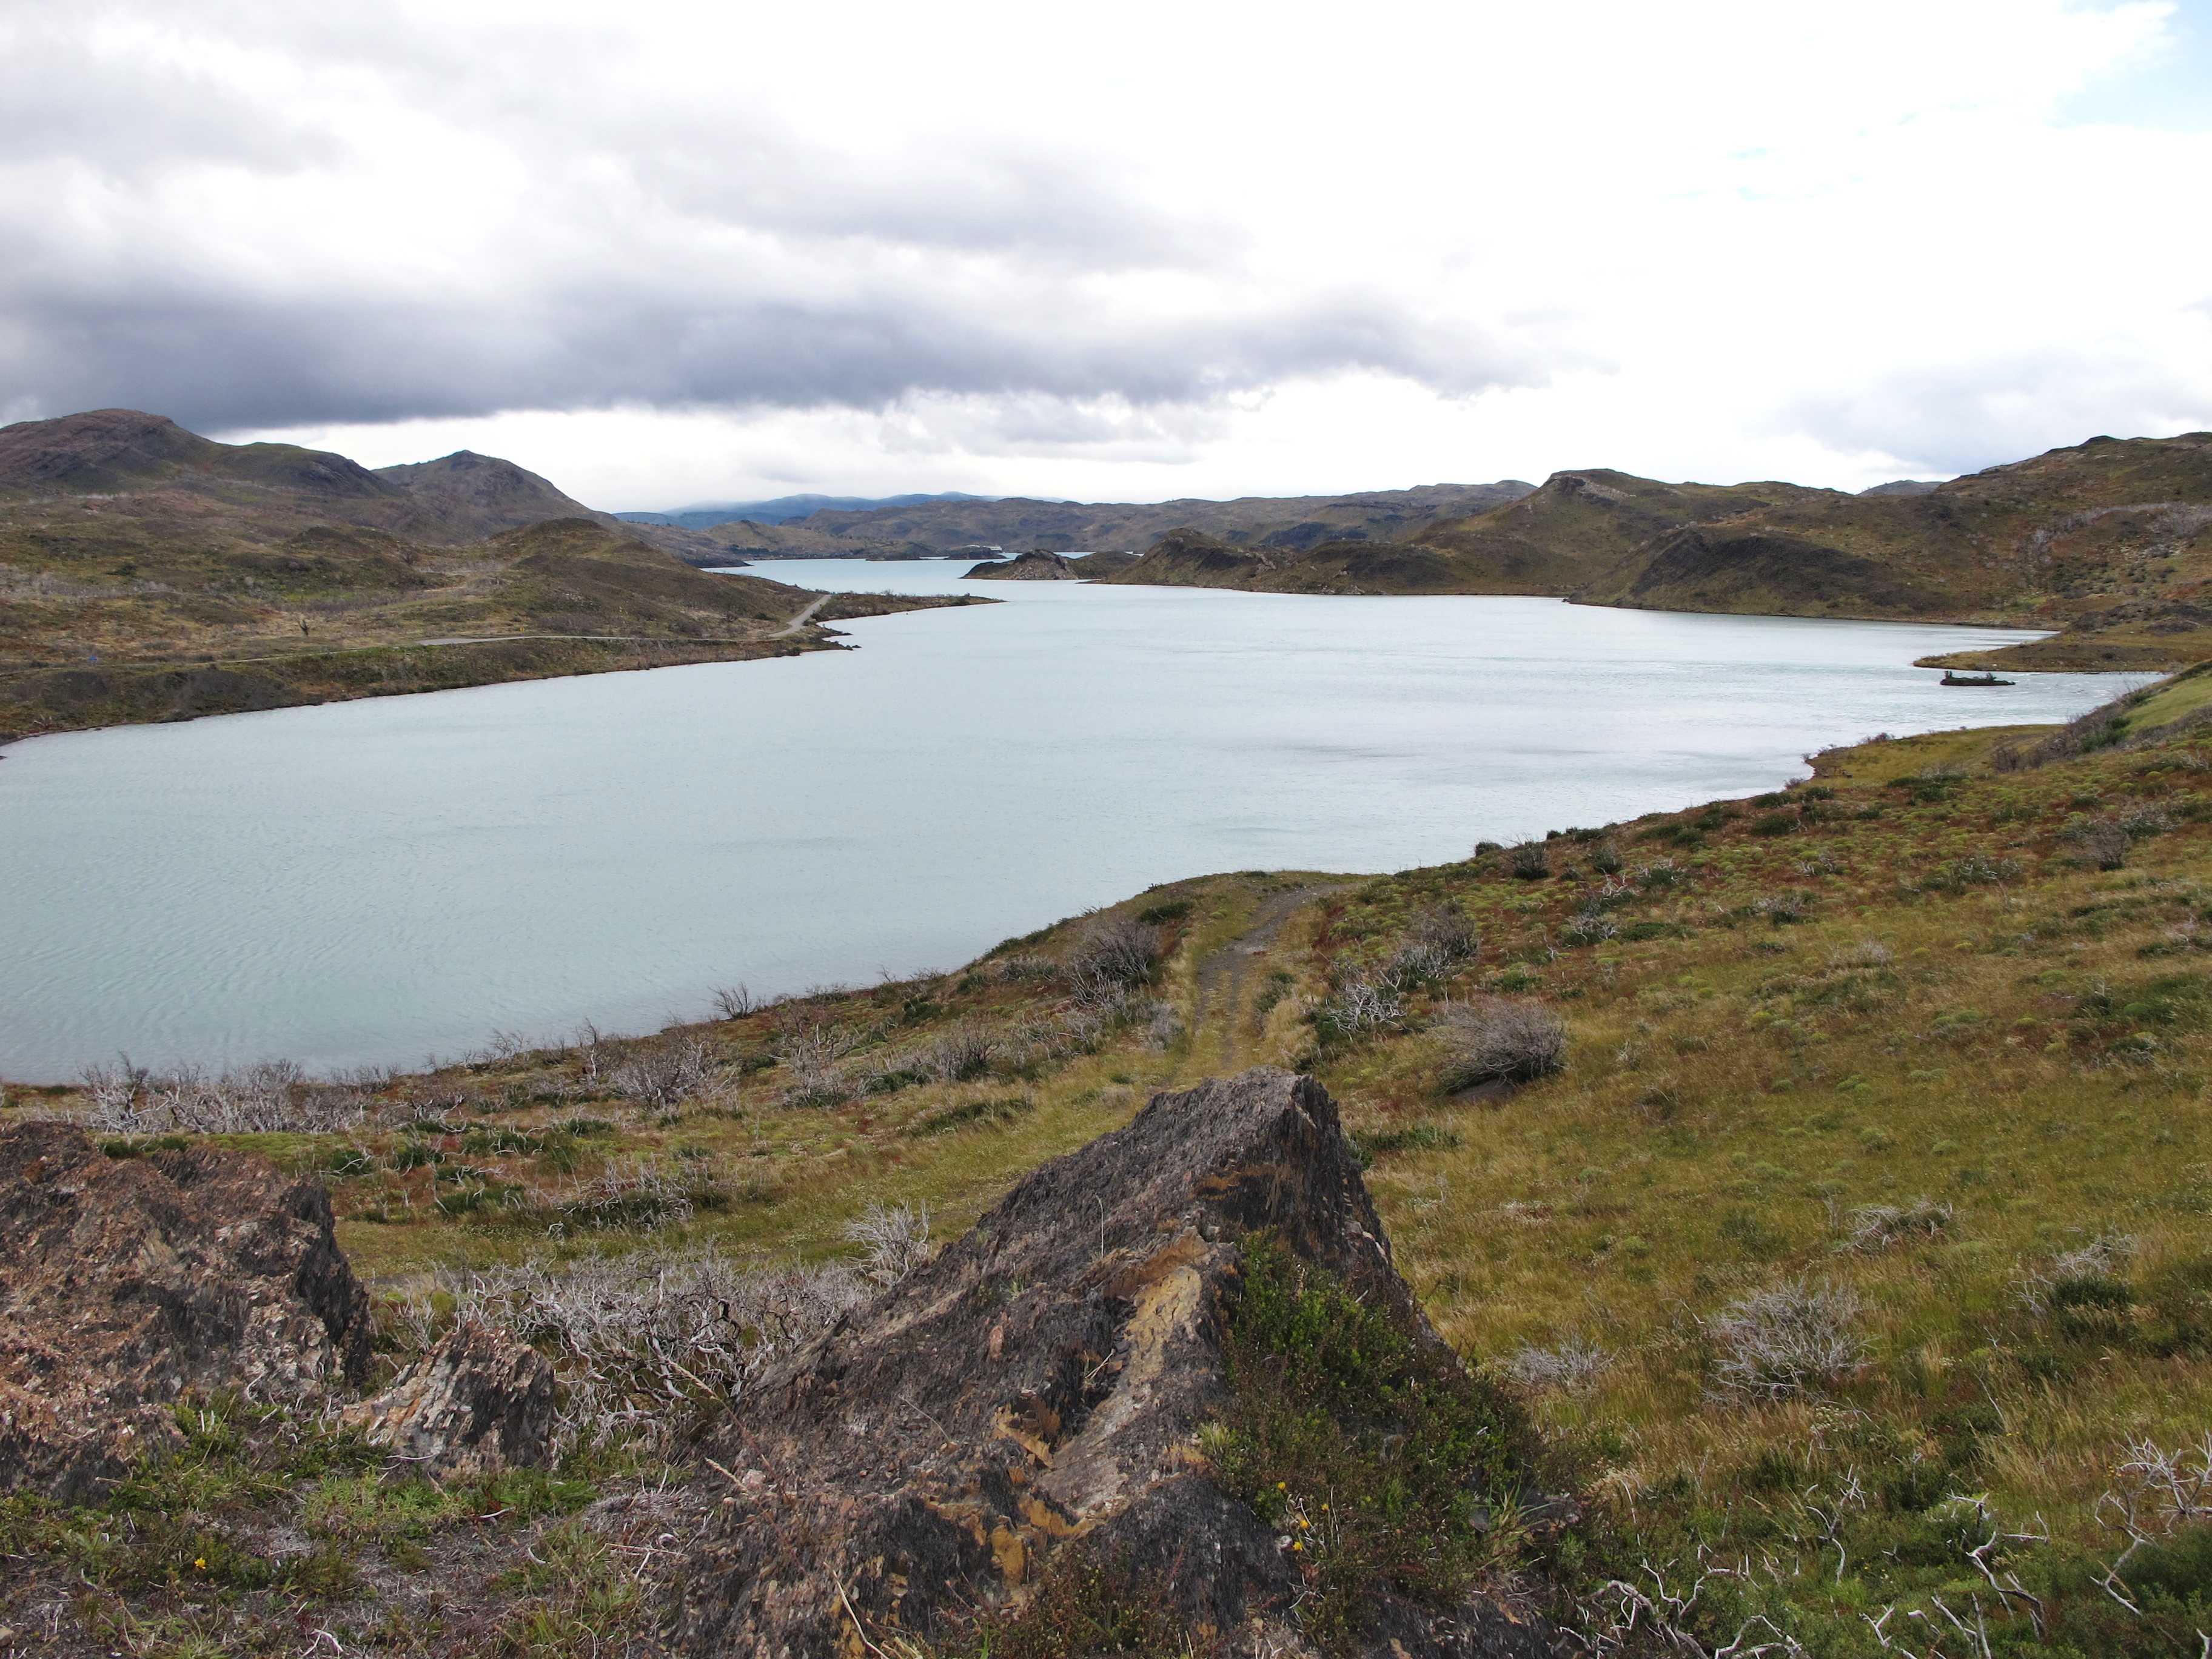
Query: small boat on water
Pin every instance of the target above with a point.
(1950, 678)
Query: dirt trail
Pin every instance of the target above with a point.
(802, 618)
(1223, 971)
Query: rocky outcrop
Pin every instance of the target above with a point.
(1037, 1389)
(478, 1402)
(1036, 566)
(126, 1282)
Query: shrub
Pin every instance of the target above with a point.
(1877, 1227)
(640, 1199)
(1786, 1340)
(663, 1073)
(1605, 857)
(1443, 933)
(2103, 842)
(1115, 955)
(274, 1096)
(735, 1002)
(650, 1346)
(1501, 1040)
(1161, 914)
(893, 1241)
(1786, 908)
(1588, 925)
(1530, 861)
(1659, 874)
(1362, 1002)
(1573, 1366)
(960, 1054)
(2145, 821)
(1975, 869)
(1377, 1455)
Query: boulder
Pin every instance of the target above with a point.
(1034, 1395)
(126, 1282)
(477, 1402)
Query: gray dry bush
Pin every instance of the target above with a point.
(893, 1241)
(1500, 1040)
(1787, 1340)
(1877, 1227)
(2087, 1269)
(1574, 1363)
(274, 1096)
(960, 1054)
(646, 1345)
(663, 1072)
(1115, 955)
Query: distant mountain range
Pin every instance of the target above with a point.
(932, 529)
(782, 509)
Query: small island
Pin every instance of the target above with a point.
(1039, 566)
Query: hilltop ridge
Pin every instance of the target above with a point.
(2109, 541)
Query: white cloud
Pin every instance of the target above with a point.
(667, 251)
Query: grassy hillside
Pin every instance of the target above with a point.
(150, 574)
(1862, 1233)
(2110, 541)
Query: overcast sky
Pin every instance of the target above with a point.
(666, 252)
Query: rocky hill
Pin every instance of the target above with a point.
(2109, 540)
(1040, 566)
(151, 574)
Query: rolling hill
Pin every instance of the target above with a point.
(2110, 541)
(149, 573)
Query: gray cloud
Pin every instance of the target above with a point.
(222, 362)
(672, 254)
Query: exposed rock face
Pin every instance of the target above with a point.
(1043, 1382)
(476, 1403)
(123, 1282)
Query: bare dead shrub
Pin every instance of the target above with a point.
(2083, 1274)
(1015, 968)
(960, 1054)
(893, 1241)
(1116, 954)
(663, 1073)
(1867, 953)
(1500, 1040)
(647, 1345)
(1786, 1340)
(1591, 925)
(1877, 1227)
(1574, 1364)
(1362, 1001)
(2102, 841)
(1443, 933)
(640, 1199)
(1165, 1028)
(271, 1097)
(736, 1002)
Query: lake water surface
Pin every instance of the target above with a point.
(376, 881)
